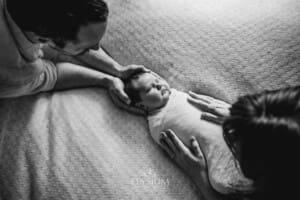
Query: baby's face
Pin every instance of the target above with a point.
(154, 91)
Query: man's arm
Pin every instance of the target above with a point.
(60, 77)
(98, 60)
(75, 76)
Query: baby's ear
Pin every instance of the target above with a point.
(142, 106)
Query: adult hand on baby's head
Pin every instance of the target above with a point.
(116, 87)
(127, 71)
(214, 110)
(120, 103)
(191, 160)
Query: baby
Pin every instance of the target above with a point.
(168, 108)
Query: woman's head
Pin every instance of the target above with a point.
(72, 25)
(264, 131)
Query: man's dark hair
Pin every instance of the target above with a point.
(58, 20)
(267, 126)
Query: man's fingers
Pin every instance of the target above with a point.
(117, 101)
(122, 95)
(212, 118)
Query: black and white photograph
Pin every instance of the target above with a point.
(149, 99)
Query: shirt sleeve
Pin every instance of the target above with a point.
(43, 82)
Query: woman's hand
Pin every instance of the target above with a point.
(127, 71)
(191, 160)
(214, 110)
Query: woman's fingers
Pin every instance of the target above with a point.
(204, 98)
(212, 118)
(178, 144)
(165, 136)
(165, 146)
(202, 105)
(196, 148)
(208, 99)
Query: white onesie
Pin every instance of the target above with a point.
(184, 119)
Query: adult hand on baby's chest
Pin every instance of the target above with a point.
(190, 159)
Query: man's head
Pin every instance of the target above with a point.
(147, 90)
(264, 131)
(74, 26)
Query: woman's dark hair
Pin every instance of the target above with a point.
(266, 127)
(58, 20)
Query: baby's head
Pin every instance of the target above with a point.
(147, 91)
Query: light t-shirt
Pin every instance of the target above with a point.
(184, 119)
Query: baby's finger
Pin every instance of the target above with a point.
(212, 118)
(196, 148)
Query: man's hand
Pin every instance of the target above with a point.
(120, 98)
(116, 87)
(191, 160)
(214, 110)
(118, 102)
(127, 71)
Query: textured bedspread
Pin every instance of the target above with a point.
(78, 145)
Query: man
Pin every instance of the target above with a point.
(54, 45)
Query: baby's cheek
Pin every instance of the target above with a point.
(156, 100)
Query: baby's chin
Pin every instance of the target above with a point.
(163, 104)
